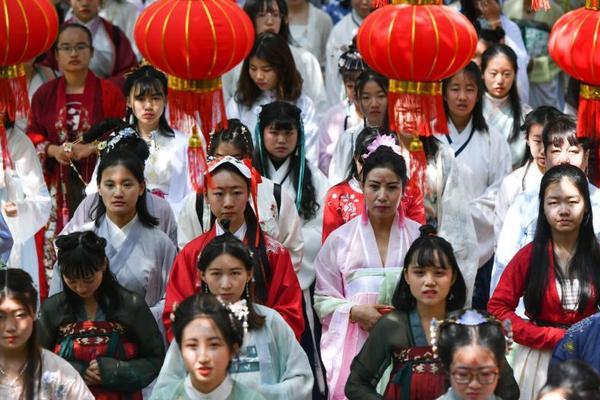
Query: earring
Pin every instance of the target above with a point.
(247, 292)
(204, 287)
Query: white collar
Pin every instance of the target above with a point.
(454, 132)
(240, 233)
(221, 392)
(497, 101)
(118, 235)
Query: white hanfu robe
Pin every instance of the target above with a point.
(343, 152)
(339, 41)
(498, 115)
(514, 40)
(314, 34)
(283, 225)
(24, 186)
(124, 15)
(485, 160)
(339, 118)
(140, 258)
(103, 60)
(165, 170)
(249, 117)
(271, 361)
(350, 272)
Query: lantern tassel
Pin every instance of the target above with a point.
(427, 108)
(14, 97)
(379, 3)
(197, 166)
(538, 4)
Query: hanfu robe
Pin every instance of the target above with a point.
(249, 117)
(514, 40)
(338, 119)
(124, 15)
(59, 380)
(499, 116)
(126, 342)
(281, 223)
(24, 186)
(271, 362)
(55, 118)
(140, 258)
(350, 272)
(313, 35)
(165, 170)
(283, 291)
(229, 389)
(6, 240)
(581, 342)
(398, 339)
(536, 336)
(157, 207)
(484, 159)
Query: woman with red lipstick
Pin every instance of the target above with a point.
(431, 286)
(107, 333)
(557, 276)
(360, 263)
(502, 106)
(269, 74)
(61, 111)
(271, 360)
(27, 371)
(209, 335)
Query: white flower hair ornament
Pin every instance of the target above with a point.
(239, 310)
(112, 142)
(382, 140)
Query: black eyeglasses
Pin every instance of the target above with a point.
(465, 376)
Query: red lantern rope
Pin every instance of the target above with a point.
(14, 98)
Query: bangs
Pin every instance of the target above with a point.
(79, 265)
(267, 5)
(430, 256)
(559, 138)
(148, 86)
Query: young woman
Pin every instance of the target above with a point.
(140, 255)
(528, 176)
(209, 336)
(359, 265)
(431, 286)
(571, 380)
(309, 27)
(502, 107)
(482, 154)
(270, 360)
(277, 212)
(166, 170)
(471, 346)
(61, 111)
(230, 186)
(269, 74)
(28, 371)
(106, 332)
(556, 275)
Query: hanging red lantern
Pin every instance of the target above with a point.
(573, 45)
(195, 42)
(417, 43)
(27, 30)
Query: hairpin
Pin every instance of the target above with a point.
(433, 329)
(382, 140)
(122, 134)
(508, 334)
(172, 315)
(239, 310)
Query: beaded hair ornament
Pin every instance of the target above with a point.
(115, 138)
(470, 318)
(238, 310)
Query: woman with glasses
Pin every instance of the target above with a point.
(61, 111)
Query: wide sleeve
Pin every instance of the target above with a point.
(580, 342)
(135, 374)
(295, 376)
(6, 240)
(332, 219)
(181, 285)
(290, 229)
(375, 356)
(36, 131)
(413, 203)
(155, 293)
(173, 370)
(504, 303)
(284, 294)
(188, 224)
(311, 129)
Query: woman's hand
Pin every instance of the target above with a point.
(91, 376)
(59, 154)
(366, 315)
(10, 209)
(81, 151)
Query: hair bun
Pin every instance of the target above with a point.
(427, 230)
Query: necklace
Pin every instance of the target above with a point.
(14, 381)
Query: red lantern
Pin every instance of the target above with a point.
(195, 42)
(573, 45)
(417, 43)
(28, 28)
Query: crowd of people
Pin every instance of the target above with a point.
(326, 256)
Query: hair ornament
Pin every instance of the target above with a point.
(116, 138)
(351, 60)
(382, 140)
(172, 315)
(508, 334)
(433, 331)
(240, 166)
(239, 310)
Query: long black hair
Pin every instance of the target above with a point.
(147, 81)
(430, 250)
(271, 48)
(232, 246)
(262, 274)
(17, 285)
(579, 380)
(80, 255)
(286, 116)
(540, 116)
(363, 140)
(472, 70)
(587, 253)
(513, 94)
(205, 305)
(368, 75)
(134, 165)
(236, 134)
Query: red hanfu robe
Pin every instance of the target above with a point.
(512, 286)
(283, 291)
